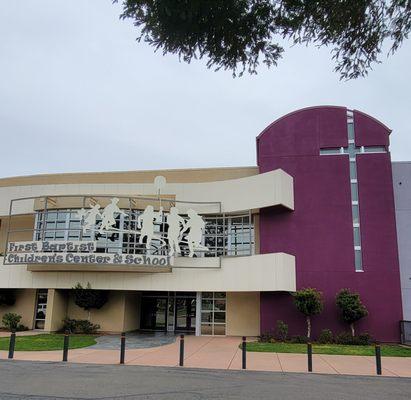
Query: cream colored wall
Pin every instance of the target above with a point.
(18, 222)
(172, 175)
(251, 192)
(110, 317)
(261, 272)
(24, 306)
(243, 314)
(57, 301)
(132, 310)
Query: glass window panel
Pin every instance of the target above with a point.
(353, 170)
(219, 295)
(355, 214)
(358, 260)
(219, 305)
(207, 316)
(357, 238)
(206, 295)
(354, 192)
(351, 131)
(219, 329)
(206, 329)
(207, 304)
(51, 216)
(219, 317)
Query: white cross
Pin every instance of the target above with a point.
(352, 150)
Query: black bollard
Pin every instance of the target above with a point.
(244, 353)
(310, 356)
(12, 344)
(181, 363)
(122, 347)
(66, 345)
(378, 359)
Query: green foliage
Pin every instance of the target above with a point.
(267, 337)
(282, 330)
(364, 339)
(7, 297)
(88, 298)
(344, 338)
(299, 339)
(351, 307)
(46, 342)
(11, 320)
(308, 301)
(326, 336)
(237, 34)
(79, 326)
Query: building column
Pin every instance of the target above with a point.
(56, 310)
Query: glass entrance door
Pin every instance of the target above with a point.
(154, 313)
(185, 316)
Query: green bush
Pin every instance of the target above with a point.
(363, 339)
(266, 337)
(21, 328)
(11, 320)
(344, 338)
(282, 330)
(79, 326)
(326, 337)
(299, 339)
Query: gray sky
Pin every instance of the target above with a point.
(77, 93)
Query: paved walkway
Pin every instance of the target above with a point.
(224, 353)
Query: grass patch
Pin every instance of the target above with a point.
(47, 342)
(339, 349)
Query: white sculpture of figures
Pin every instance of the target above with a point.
(196, 225)
(108, 219)
(175, 225)
(147, 219)
(91, 217)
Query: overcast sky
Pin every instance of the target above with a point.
(77, 93)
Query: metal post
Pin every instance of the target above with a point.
(310, 356)
(66, 345)
(181, 363)
(378, 359)
(12, 344)
(244, 353)
(122, 347)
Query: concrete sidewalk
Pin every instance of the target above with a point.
(224, 353)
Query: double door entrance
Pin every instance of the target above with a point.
(168, 311)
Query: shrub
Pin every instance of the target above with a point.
(21, 328)
(299, 339)
(309, 302)
(11, 320)
(282, 330)
(326, 336)
(344, 338)
(351, 307)
(267, 337)
(79, 326)
(363, 339)
(88, 298)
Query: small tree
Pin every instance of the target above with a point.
(309, 302)
(11, 321)
(7, 297)
(351, 307)
(88, 298)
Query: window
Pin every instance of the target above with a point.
(223, 235)
(213, 313)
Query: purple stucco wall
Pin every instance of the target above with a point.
(319, 231)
